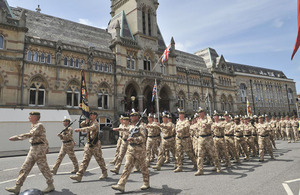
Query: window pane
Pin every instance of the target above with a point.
(105, 68)
(35, 57)
(32, 96)
(110, 68)
(77, 63)
(96, 66)
(132, 64)
(41, 95)
(1, 42)
(105, 101)
(101, 67)
(69, 99)
(100, 100)
(66, 61)
(71, 62)
(76, 99)
(128, 62)
(149, 65)
(29, 56)
(43, 58)
(49, 59)
(145, 64)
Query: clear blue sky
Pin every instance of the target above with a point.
(252, 32)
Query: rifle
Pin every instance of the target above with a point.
(66, 128)
(136, 129)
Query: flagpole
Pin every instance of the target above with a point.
(209, 105)
(157, 102)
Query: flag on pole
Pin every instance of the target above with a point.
(249, 113)
(154, 90)
(297, 44)
(84, 105)
(166, 54)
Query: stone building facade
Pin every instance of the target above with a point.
(41, 57)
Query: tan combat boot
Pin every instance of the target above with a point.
(114, 171)
(76, 177)
(75, 170)
(104, 175)
(112, 162)
(156, 167)
(118, 187)
(145, 186)
(16, 189)
(178, 170)
(53, 171)
(50, 188)
(199, 172)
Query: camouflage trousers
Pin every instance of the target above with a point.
(88, 153)
(230, 145)
(122, 152)
(221, 149)
(283, 133)
(264, 144)
(250, 143)
(272, 138)
(152, 147)
(195, 145)
(240, 142)
(135, 155)
(296, 133)
(118, 149)
(66, 148)
(36, 154)
(290, 134)
(255, 142)
(184, 145)
(166, 144)
(206, 146)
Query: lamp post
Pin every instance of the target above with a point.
(132, 100)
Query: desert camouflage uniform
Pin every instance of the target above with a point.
(272, 132)
(289, 131)
(119, 142)
(206, 145)
(255, 138)
(168, 142)
(240, 140)
(248, 129)
(66, 148)
(123, 148)
(219, 141)
(295, 129)
(153, 140)
(36, 154)
(183, 143)
(135, 155)
(282, 125)
(263, 140)
(91, 149)
(229, 140)
(277, 130)
(193, 132)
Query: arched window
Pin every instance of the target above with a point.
(71, 62)
(1, 42)
(36, 56)
(42, 58)
(230, 104)
(223, 103)
(105, 68)
(49, 59)
(73, 94)
(144, 21)
(101, 67)
(147, 62)
(82, 62)
(37, 92)
(66, 61)
(128, 62)
(132, 63)
(290, 96)
(109, 68)
(77, 63)
(103, 96)
(181, 100)
(243, 93)
(96, 66)
(29, 55)
(195, 102)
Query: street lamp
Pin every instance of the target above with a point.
(132, 100)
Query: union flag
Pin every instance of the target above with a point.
(154, 90)
(249, 113)
(166, 54)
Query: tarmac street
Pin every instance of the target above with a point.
(280, 176)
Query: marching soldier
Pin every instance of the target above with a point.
(124, 130)
(67, 148)
(118, 142)
(295, 128)
(282, 125)
(289, 129)
(229, 138)
(248, 129)
(272, 130)
(135, 155)
(239, 137)
(263, 139)
(183, 141)
(168, 141)
(92, 147)
(205, 143)
(219, 141)
(153, 138)
(36, 154)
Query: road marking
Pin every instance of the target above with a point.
(287, 188)
(11, 180)
(93, 169)
(10, 169)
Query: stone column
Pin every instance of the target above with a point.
(141, 102)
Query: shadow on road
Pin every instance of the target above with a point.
(165, 190)
(64, 192)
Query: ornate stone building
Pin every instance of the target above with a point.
(41, 57)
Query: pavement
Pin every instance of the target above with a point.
(4, 154)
